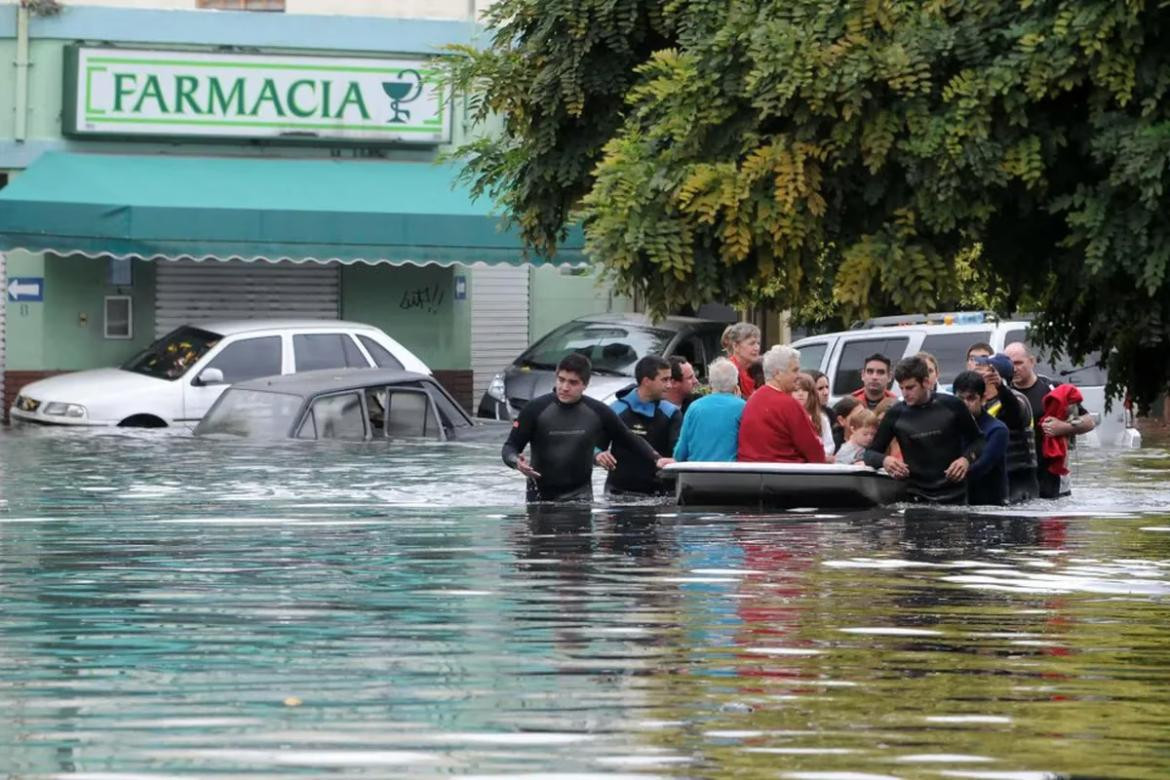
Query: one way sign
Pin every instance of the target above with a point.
(26, 288)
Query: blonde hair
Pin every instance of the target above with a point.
(929, 358)
(860, 418)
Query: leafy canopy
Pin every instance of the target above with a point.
(866, 155)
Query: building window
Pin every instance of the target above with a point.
(119, 317)
(241, 5)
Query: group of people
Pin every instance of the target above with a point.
(1002, 434)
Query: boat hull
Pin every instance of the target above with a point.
(783, 485)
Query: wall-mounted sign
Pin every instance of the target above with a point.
(26, 288)
(137, 92)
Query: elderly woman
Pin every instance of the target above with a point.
(742, 342)
(710, 428)
(775, 428)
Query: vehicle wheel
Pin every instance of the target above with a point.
(142, 421)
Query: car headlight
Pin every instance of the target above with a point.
(496, 388)
(58, 409)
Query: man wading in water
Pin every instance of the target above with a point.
(563, 427)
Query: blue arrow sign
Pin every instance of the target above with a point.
(26, 288)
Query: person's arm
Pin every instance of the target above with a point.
(616, 430)
(519, 437)
(1011, 413)
(1084, 423)
(969, 432)
(875, 456)
(675, 430)
(993, 453)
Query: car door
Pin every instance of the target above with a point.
(337, 416)
(239, 360)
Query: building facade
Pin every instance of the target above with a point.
(162, 163)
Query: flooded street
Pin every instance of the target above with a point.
(174, 607)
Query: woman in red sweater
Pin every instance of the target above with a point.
(775, 428)
(742, 342)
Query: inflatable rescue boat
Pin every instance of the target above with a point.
(783, 485)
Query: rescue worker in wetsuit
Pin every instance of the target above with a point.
(875, 381)
(987, 480)
(645, 411)
(1011, 407)
(564, 427)
(937, 435)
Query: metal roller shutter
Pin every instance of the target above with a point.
(188, 291)
(499, 321)
(3, 331)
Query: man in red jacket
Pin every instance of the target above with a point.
(775, 428)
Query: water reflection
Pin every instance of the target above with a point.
(174, 607)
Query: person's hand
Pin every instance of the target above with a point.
(524, 468)
(1055, 428)
(895, 468)
(606, 460)
(994, 379)
(662, 462)
(957, 471)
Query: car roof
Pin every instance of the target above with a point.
(329, 380)
(638, 318)
(232, 327)
(894, 330)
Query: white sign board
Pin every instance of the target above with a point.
(136, 92)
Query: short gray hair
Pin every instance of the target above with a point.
(740, 331)
(724, 376)
(779, 359)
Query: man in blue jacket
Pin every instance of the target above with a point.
(987, 480)
(710, 429)
(642, 408)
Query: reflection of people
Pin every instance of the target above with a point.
(937, 435)
(563, 427)
(644, 410)
(1053, 431)
(775, 428)
(710, 429)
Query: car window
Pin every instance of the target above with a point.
(712, 342)
(338, 417)
(811, 355)
(398, 412)
(254, 413)
(691, 348)
(950, 350)
(853, 354)
(1088, 374)
(612, 348)
(315, 351)
(381, 355)
(171, 356)
(248, 359)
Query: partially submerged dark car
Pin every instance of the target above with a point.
(351, 404)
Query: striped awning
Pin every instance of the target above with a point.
(226, 208)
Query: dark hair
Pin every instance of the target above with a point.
(912, 367)
(576, 363)
(649, 366)
(969, 382)
(676, 364)
(982, 346)
(816, 375)
(877, 356)
(845, 405)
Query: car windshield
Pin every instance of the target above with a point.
(611, 348)
(258, 414)
(173, 355)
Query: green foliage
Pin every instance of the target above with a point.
(849, 157)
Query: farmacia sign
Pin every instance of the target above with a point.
(136, 92)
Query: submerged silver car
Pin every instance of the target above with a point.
(613, 343)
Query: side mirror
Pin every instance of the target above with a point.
(210, 376)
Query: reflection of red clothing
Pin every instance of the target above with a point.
(775, 428)
(1056, 404)
(747, 385)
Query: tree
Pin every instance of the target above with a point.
(768, 150)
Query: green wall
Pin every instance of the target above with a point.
(558, 296)
(416, 306)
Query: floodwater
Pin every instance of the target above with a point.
(172, 607)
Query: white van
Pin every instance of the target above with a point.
(948, 336)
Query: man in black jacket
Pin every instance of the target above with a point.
(563, 428)
(644, 410)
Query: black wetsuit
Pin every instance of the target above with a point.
(563, 437)
(932, 436)
(659, 423)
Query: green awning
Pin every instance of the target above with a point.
(345, 211)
